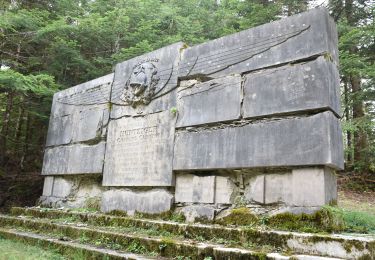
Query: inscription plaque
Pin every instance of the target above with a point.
(140, 151)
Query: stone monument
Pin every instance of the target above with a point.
(249, 118)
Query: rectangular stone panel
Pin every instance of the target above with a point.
(211, 101)
(140, 151)
(152, 201)
(79, 113)
(312, 85)
(192, 188)
(297, 37)
(74, 159)
(312, 140)
(278, 188)
(225, 190)
(48, 186)
(255, 189)
(159, 70)
(313, 187)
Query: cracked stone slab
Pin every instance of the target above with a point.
(307, 86)
(312, 140)
(74, 159)
(153, 201)
(165, 62)
(211, 101)
(297, 37)
(140, 151)
(80, 113)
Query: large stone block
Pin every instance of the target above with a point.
(48, 186)
(312, 140)
(312, 85)
(294, 38)
(62, 187)
(278, 188)
(192, 188)
(255, 189)
(300, 187)
(211, 101)
(79, 113)
(74, 159)
(314, 187)
(153, 201)
(225, 190)
(156, 73)
(72, 192)
(140, 151)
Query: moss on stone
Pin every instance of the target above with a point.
(324, 220)
(169, 215)
(118, 213)
(239, 217)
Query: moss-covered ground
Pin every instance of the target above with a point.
(13, 250)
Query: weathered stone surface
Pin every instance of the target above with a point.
(192, 188)
(73, 192)
(195, 213)
(79, 113)
(278, 188)
(89, 124)
(204, 189)
(211, 101)
(314, 187)
(299, 189)
(312, 140)
(48, 186)
(225, 190)
(74, 159)
(62, 187)
(183, 188)
(312, 85)
(140, 151)
(297, 37)
(153, 201)
(60, 130)
(254, 191)
(163, 81)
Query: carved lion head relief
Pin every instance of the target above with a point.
(141, 85)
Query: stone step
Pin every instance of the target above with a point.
(164, 247)
(69, 248)
(341, 246)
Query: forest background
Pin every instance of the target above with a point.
(47, 46)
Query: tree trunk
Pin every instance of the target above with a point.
(5, 128)
(25, 149)
(360, 137)
(349, 160)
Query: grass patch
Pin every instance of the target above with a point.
(12, 250)
(359, 222)
(328, 219)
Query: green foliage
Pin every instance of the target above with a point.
(64, 43)
(359, 222)
(39, 85)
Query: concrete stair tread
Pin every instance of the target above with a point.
(337, 245)
(29, 237)
(218, 251)
(35, 239)
(358, 237)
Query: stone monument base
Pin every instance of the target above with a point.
(203, 195)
